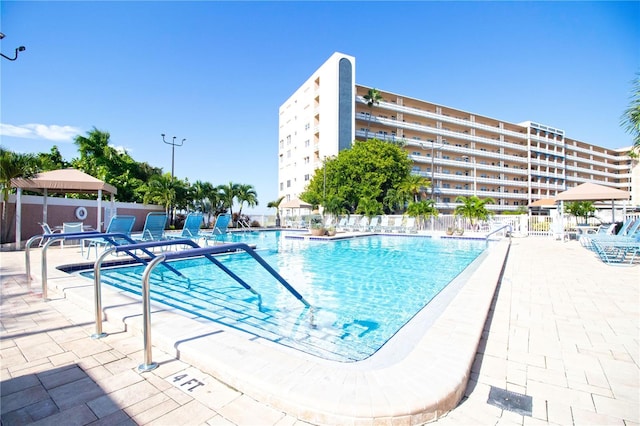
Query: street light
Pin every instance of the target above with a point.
(18, 49)
(173, 149)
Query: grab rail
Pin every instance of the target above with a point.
(499, 229)
(149, 244)
(51, 238)
(148, 364)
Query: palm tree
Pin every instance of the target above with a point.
(631, 117)
(199, 196)
(373, 97)
(161, 190)
(414, 185)
(421, 210)
(473, 208)
(276, 204)
(246, 194)
(228, 195)
(12, 166)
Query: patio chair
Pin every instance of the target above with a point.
(384, 224)
(220, 228)
(46, 229)
(191, 228)
(342, 224)
(72, 228)
(121, 224)
(373, 225)
(153, 229)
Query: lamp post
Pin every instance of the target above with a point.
(173, 152)
(18, 49)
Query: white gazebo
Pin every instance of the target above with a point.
(61, 181)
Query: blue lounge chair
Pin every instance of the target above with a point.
(191, 228)
(120, 224)
(219, 228)
(154, 226)
(617, 252)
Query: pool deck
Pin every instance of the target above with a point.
(562, 328)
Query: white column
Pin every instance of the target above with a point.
(44, 206)
(99, 215)
(18, 218)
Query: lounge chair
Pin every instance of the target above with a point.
(385, 226)
(121, 224)
(220, 227)
(632, 235)
(351, 224)
(191, 228)
(614, 252)
(410, 225)
(342, 224)
(153, 229)
(363, 224)
(373, 225)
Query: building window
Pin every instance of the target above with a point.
(306, 178)
(289, 154)
(307, 143)
(281, 186)
(306, 160)
(307, 126)
(446, 200)
(415, 168)
(288, 184)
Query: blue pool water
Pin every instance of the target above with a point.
(363, 290)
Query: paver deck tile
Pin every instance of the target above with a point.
(562, 334)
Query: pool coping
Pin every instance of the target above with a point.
(411, 385)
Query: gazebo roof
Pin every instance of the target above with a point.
(592, 192)
(63, 181)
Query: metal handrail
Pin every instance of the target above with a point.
(148, 364)
(51, 238)
(144, 245)
(499, 229)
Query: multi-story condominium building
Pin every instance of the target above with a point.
(462, 153)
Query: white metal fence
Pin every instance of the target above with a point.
(523, 225)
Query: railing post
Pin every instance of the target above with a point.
(27, 259)
(148, 364)
(97, 290)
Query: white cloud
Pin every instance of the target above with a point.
(40, 131)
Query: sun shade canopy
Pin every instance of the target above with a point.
(544, 202)
(63, 181)
(295, 204)
(592, 192)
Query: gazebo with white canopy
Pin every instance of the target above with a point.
(60, 181)
(590, 191)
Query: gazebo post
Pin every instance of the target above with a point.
(44, 206)
(18, 217)
(98, 227)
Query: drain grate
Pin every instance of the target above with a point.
(510, 401)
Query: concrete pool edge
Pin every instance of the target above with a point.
(428, 382)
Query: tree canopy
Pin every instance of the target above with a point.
(359, 178)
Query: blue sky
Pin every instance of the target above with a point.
(216, 73)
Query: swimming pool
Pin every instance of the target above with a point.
(363, 290)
